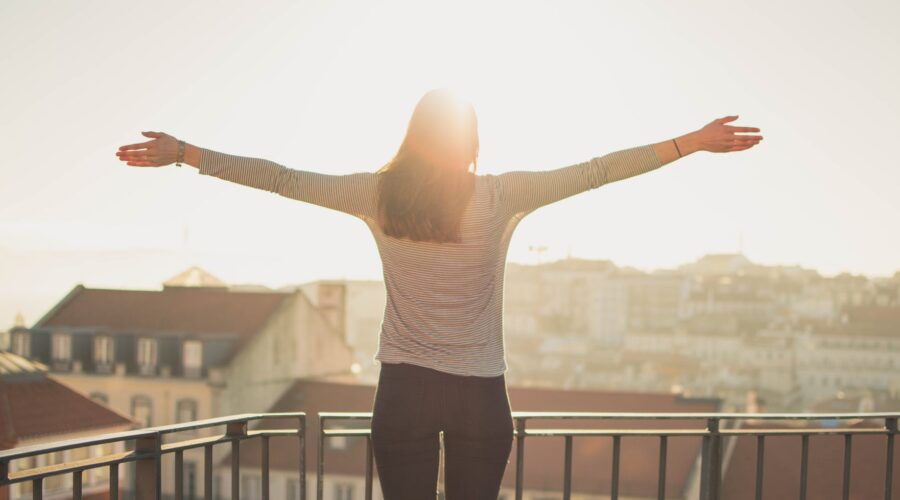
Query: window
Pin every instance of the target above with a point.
(343, 491)
(62, 347)
(103, 350)
(142, 410)
(146, 356)
(185, 410)
(192, 357)
(21, 344)
(250, 487)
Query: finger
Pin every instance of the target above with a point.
(143, 164)
(139, 145)
(741, 129)
(136, 155)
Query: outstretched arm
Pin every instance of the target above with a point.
(522, 192)
(353, 194)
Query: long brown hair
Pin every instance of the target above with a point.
(424, 189)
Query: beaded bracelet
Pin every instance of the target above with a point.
(676, 147)
(180, 157)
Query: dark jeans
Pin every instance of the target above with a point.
(412, 405)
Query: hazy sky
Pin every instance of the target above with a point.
(329, 86)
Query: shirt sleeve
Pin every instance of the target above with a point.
(521, 192)
(352, 194)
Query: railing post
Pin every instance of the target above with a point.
(264, 450)
(301, 432)
(369, 466)
(710, 464)
(77, 487)
(715, 455)
(804, 465)
(891, 425)
(848, 452)
(37, 489)
(208, 472)
(661, 482)
(114, 482)
(760, 464)
(520, 456)
(567, 469)
(320, 459)
(179, 475)
(236, 430)
(147, 470)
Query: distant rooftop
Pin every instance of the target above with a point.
(194, 276)
(13, 365)
(33, 405)
(194, 310)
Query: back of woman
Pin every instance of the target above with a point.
(444, 300)
(443, 232)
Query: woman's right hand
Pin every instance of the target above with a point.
(717, 137)
(159, 152)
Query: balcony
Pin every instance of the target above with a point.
(715, 433)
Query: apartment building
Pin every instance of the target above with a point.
(195, 349)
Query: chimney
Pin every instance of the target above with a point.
(752, 402)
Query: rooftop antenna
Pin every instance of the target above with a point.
(539, 250)
(184, 237)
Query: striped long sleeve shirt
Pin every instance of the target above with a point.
(444, 300)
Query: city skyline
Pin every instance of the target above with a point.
(102, 269)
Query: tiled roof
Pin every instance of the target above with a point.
(36, 407)
(194, 310)
(544, 456)
(781, 469)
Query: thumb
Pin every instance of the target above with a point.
(155, 135)
(727, 119)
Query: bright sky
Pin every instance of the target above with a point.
(329, 86)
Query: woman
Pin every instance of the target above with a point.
(442, 231)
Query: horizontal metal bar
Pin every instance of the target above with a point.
(659, 432)
(79, 465)
(27, 451)
(655, 416)
(130, 456)
(346, 432)
(703, 432)
(224, 438)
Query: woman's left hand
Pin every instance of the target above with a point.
(161, 151)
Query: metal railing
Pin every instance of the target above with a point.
(711, 448)
(147, 449)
